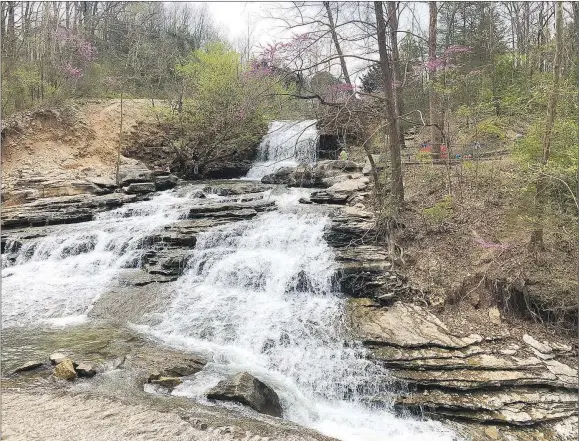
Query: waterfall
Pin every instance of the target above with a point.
(286, 144)
(258, 296)
(55, 279)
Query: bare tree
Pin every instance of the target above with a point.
(436, 115)
(336, 41)
(537, 242)
(398, 80)
(397, 187)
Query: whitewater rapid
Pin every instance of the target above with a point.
(56, 279)
(259, 296)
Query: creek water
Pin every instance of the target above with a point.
(256, 296)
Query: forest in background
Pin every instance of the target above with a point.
(500, 74)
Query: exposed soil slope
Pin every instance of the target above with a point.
(47, 148)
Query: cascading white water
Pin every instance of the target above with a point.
(57, 278)
(287, 143)
(258, 297)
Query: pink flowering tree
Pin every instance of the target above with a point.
(76, 53)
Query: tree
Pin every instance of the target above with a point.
(393, 130)
(436, 113)
(537, 242)
(398, 80)
(332, 27)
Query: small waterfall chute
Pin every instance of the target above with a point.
(286, 144)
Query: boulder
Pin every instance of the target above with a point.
(301, 176)
(340, 193)
(140, 187)
(86, 370)
(57, 358)
(133, 171)
(246, 389)
(181, 368)
(333, 180)
(65, 370)
(339, 165)
(165, 182)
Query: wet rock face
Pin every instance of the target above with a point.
(28, 366)
(86, 370)
(366, 271)
(165, 182)
(246, 389)
(168, 383)
(515, 406)
(322, 175)
(65, 370)
(61, 210)
(181, 368)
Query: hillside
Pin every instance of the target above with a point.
(61, 151)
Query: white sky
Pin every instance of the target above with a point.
(237, 19)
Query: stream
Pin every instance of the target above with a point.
(256, 295)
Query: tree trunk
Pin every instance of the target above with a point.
(436, 115)
(67, 14)
(11, 37)
(536, 242)
(576, 23)
(399, 100)
(337, 44)
(4, 9)
(397, 187)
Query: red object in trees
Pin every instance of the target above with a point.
(443, 150)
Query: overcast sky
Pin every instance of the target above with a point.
(236, 19)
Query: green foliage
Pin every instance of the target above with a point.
(440, 211)
(562, 165)
(18, 88)
(563, 155)
(225, 108)
(490, 128)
